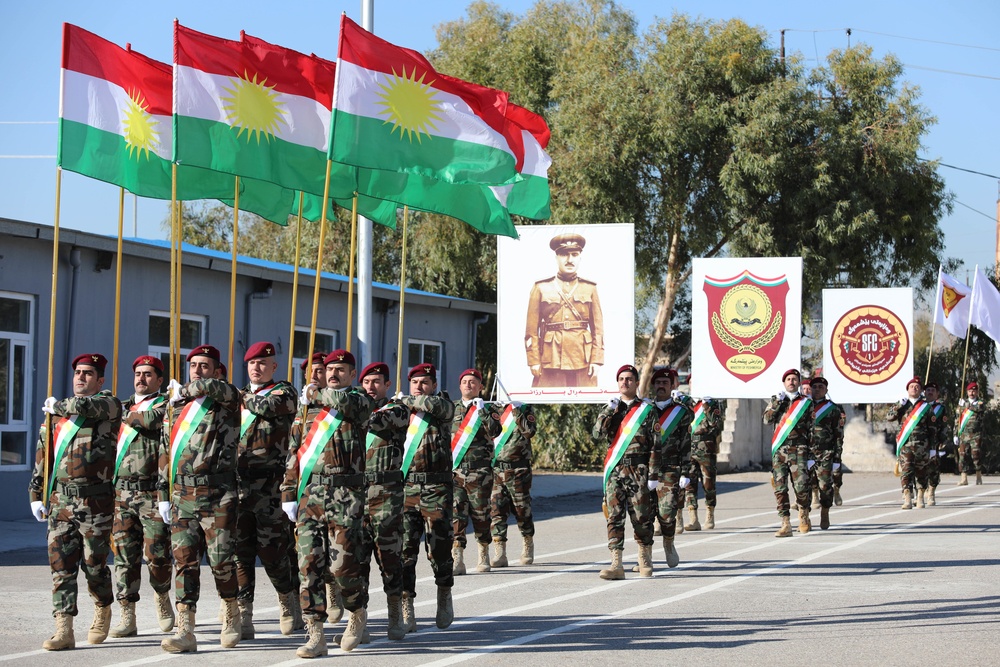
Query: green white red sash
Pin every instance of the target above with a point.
(370, 439)
(796, 410)
(507, 427)
(127, 434)
(63, 433)
(909, 424)
(414, 434)
(669, 421)
(462, 438)
(187, 423)
(822, 411)
(626, 433)
(964, 420)
(699, 416)
(247, 418)
(320, 433)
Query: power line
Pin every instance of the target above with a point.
(28, 157)
(988, 217)
(930, 41)
(971, 171)
(28, 122)
(948, 71)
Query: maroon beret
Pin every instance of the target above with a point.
(660, 373)
(971, 385)
(422, 370)
(223, 371)
(807, 382)
(340, 357)
(914, 380)
(627, 367)
(98, 361)
(259, 350)
(317, 358)
(471, 371)
(376, 367)
(209, 351)
(819, 379)
(791, 371)
(149, 360)
(930, 385)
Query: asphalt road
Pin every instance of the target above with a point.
(882, 587)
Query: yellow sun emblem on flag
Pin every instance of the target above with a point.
(409, 104)
(139, 126)
(253, 107)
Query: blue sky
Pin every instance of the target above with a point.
(959, 85)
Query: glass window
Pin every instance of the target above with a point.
(15, 378)
(14, 315)
(327, 340)
(424, 352)
(13, 448)
(192, 334)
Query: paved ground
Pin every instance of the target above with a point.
(882, 587)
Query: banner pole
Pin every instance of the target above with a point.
(295, 294)
(118, 293)
(402, 302)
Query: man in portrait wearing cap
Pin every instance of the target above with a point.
(706, 425)
(629, 426)
(827, 444)
(512, 456)
(916, 431)
(792, 416)
(202, 444)
(969, 434)
(138, 526)
(472, 433)
(383, 522)
(324, 493)
(424, 420)
(564, 331)
(76, 479)
(268, 409)
(940, 439)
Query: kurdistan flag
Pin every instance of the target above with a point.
(115, 126)
(530, 197)
(393, 112)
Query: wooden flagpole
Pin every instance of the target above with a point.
(52, 341)
(350, 271)
(295, 295)
(402, 301)
(232, 277)
(118, 293)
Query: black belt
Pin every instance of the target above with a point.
(84, 490)
(503, 465)
(351, 480)
(215, 479)
(635, 460)
(383, 477)
(473, 465)
(430, 478)
(260, 473)
(132, 484)
(701, 438)
(565, 326)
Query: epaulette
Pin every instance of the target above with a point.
(545, 280)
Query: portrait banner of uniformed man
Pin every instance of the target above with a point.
(565, 311)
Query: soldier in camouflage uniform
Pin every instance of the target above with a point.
(969, 435)
(425, 418)
(261, 527)
(202, 443)
(827, 436)
(76, 480)
(138, 526)
(631, 466)
(706, 426)
(473, 471)
(938, 443)
(790, 456)
(673, 448)
(917, 429)
(383, 523)
(512, 480)
(324, 491)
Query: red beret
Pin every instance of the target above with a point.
(376, 367)
(98, 361)
(971, 385)
(471, 371)
(660, 373)
(422, 370)
(819, 379)
(913, 380)
(205, 351)
(223, 370)
(340, 357)
(791, 371)
(805, 383)
(149, 360)
(627, 367)
(259, 350)
(933, 385)
(317, 358)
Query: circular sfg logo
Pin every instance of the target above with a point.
(869, 345)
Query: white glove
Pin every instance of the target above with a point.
(291, 509)
(904, 401)
(941, 453)
(479, 403)
(174, 390)
(48, 407)
(397, 396)
(706, 399)
(304, 396)
(932, 453)
(38, 509)
(809, 464)
(613, 403)
(164, 508)
(961, 402)
(677, 394)
(652, 484)
(516, 404)
(683, 482)
(956, 441)
(836, 466)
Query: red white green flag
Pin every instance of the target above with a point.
(530, 197)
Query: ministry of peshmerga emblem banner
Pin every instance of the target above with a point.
(867, 343)
(747, 311)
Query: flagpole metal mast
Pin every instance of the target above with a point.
(232, 277)
(118, 292)
(937, 302)
(316, 286)
(968, 331)
(295, 294)
(365, 352)
(52, 341)
(350, 270)
(402, 301)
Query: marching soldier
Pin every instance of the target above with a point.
(792, 416)
(706, 425)
(630, 427)
(564, 331)
(672, 446)
(201, 507)
(827, 433)
(939, 441)
(512, 479)
(77, 479)
(425, 418)
(472, 432)
(324, 492)
(916, 429)
(968, 434)
(261, 527)
(138, 526)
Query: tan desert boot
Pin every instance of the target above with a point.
(127, 627)
(445, 611)
(101, 626)
(499, 553)
(315, 646)
(528, 550)
(63, 639)
(183, 640)
(615, 570)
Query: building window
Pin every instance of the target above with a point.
(425, 352)
(327, 340)
(192, 334)
(16, 317)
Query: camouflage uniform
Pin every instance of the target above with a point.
(672, 460)
(512, 474)
(827, 442)
(704, 453)
(261, 526)
(138, 526)
(383, 523)
(970, 440)
(204, 503)
(838, 474)
(474, 477)
(564, 332)
(913, 456)
(81, 505)
(332, 505)
(939, 442)
(429, 494)
(790, 459)
(627, 489)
